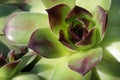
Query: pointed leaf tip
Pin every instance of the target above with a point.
(78, 12)
(83, 64)
(46, 44)
(101, 18)
(57, 16)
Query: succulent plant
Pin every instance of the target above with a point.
(70, 39)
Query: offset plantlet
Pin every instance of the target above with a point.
(16, 62)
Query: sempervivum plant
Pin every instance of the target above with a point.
(69, 35)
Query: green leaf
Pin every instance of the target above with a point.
(91, 4)
(108, 70)
(83, 62)
(45, 67)
(78, 12)
(57, 69)
(34, 6)
(7, 71)
(101, 19)
(51, 3)
(63, 69)
(28, 61)
(46, 44)
(111, 42)
(21, 25)
(5, 11)
(26, 76)
(57, 17)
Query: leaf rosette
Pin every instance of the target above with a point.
(78, 28)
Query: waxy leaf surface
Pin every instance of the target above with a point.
(21, 25)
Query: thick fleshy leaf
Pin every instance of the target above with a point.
(59, 69)
(87, 41)
(26, 76)
(101, 18)
(111, 42)
(108, 69)
(63, 69)
(78, 12)
(7, 71)
(64, 41)
(46, 44)
(104, 76)
(11, 55)
(51, 3)
(24, 23)
(57, 16)
(33, 6)
(5, 11)
(45, 67)
(91, 4)
(83, 62)
(28, 61)
(94, 74)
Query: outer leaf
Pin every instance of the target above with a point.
(43, 42)
(33, 6)
(104, 76)
(111, 46)
(24, 23)
(7, 69)
(101, 19)
(51, 3)
(57, 69)
(63, 69)
(84, 61)
(111, 42)
(108, 70)
(91, 4)
(28, 61)
(5, 11)
(26, 76)
(57, 16)
(45, 67)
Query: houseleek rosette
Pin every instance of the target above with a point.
(77, 32)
